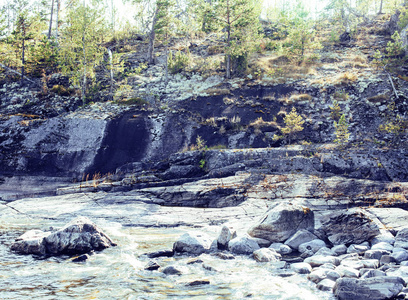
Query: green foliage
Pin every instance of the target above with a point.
(341, 131)
(294, 124)
(240, 20)
(403, 19)
(202, 163)
(335, 112)
(61, 90)
(378, 60)
(81, 43)
(179, 62)
(395, 48)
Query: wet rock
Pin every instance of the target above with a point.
(192, 243)
(354, 264)
(209, 267)
(152, 266)
(195, 261)
(324, 251)
(301, 268)
(339, 226)
(243, 245)
(370, 263)
(172, 270)
(326, 285)
(161, 253)
(31, 242)
(376, 288)
(225, 256)
(266, 255)
(78, 237)
(225, 236)
(282, 221)
(81, 258)
(198, 282)
(300, 237)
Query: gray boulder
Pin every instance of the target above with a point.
(192, 243)
(401, 239)
(243, 245)
(78, 237)
(31, 242)
(319, 260)
(225, 236)
(300, 237)
(326, 285)
(301, 268)
(312, 246)
(266, 255)
(375, 288)
(352, 226)
(282, 221)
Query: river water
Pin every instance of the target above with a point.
(118, 272)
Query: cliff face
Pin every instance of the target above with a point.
(101, 137)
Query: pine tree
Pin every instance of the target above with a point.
(81, 43)
(341, 131)
(240, 19)
(294, 124)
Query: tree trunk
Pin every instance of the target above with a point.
(381, 6)
(111, 72)
(84, 54)
(56, 20)
(167, 63)
(152, 36)
(52, 14)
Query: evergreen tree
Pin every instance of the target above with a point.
(240, 19)
(294, 124)
(342, 131)
(81, 43)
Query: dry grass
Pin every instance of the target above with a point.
(259, 123)
(301, 97)
(345, 78)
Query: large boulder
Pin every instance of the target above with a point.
(353, 226)
(300, 237)
(78, 237)
(375, 288)
(192, 243)
(282, 221)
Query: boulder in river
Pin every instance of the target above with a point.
(192, 243)
(282, 221)
(78, 237)
(375, 288)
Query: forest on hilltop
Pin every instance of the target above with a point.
(85, 41)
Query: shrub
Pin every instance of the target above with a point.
(179, 62)
(294, 124)
(342, 131)
(61, 90)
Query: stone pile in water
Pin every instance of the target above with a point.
(350, 252)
